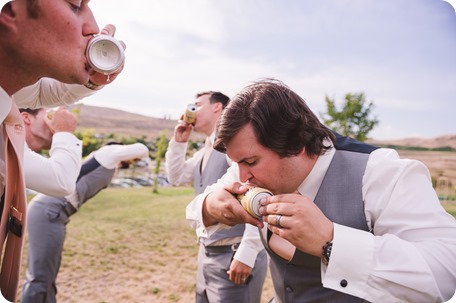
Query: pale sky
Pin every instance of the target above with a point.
(400, 53)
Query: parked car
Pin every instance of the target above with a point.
(124, 182)
(143, 181)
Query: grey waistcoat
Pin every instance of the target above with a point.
(215, 168)
(340, 199)
(92, 178)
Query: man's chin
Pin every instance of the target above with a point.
(81, 79)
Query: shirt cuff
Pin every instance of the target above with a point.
(83, 90)
(246, 254)
(65, 138)
(178, 146)
(194, 215)
(350, 246)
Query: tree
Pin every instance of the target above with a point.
(90, 142)
(353, 119)
(162, 145)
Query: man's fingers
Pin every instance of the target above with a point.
(236, 188)
(109, 30)
(123, 44)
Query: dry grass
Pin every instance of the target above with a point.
(130, 245)
(441, 165)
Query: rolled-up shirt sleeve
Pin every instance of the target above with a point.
(56, 175)
(109, 156)
(194, 208)
(50, 93)
(250, 244)
(180, 170)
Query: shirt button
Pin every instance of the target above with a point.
(289, 289)
(343, 283)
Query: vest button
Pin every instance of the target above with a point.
(289, 289)
(343, 283)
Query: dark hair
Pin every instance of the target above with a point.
(33, 8)
(215, 97)
(280, 118)
(32, 112)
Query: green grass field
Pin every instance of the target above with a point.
(131, 245)
(451, 208)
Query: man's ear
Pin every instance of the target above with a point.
(302, 152)
(8, 15)
(26, 118)
(217, 107)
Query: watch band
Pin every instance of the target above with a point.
(92, 86)
(326, 252)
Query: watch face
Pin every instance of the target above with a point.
(105, 54)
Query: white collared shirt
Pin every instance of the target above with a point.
(54, 176)
(180, 171)
(109, 156)
(411, 254)
(46, 92)
(5, 107)
(49, 93)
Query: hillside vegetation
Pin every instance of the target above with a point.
(439, 153)
(113, 121)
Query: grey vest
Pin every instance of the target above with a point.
(92, 179)
(215, 168)
(340, 199)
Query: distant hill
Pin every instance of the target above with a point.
(106, 120)
(436, 142)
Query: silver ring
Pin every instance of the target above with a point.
(277, 220)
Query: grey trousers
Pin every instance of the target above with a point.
(46, 227)
(214, 286)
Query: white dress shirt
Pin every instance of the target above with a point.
(109, 156)
(50, 93)
(410, 256)
(180, 171)
(45, 93)
(5, 107)
(56, 175)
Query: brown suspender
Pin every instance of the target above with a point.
(12, 221)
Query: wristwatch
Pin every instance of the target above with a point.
(92, 86)
(326, 252)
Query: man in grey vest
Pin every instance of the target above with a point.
(48, 217)
(232, 263)
(348, 222)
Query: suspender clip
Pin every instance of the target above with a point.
(15, 219)
(235, 246)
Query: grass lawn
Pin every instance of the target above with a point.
(131, 245)
(451, 208)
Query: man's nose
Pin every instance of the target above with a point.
(90, 26)
(244, 174)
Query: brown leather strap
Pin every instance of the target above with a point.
(12, 224)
